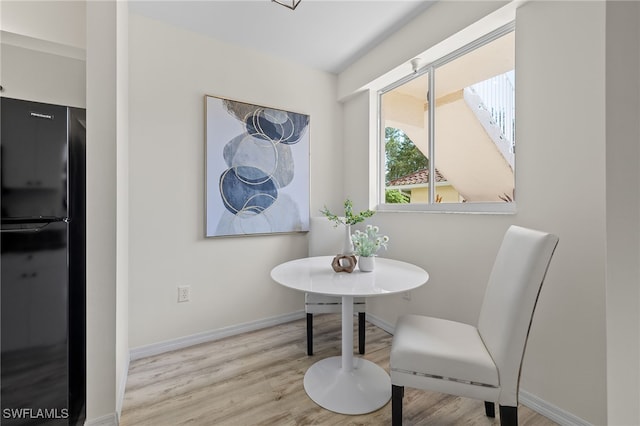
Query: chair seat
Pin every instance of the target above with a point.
(440, 348)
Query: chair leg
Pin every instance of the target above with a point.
(397, 393)
(361, 326)
(309, 334)
(508, 416)
(490, 409)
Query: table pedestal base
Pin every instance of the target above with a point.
(363, 389)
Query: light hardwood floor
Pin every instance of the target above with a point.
(256, 379)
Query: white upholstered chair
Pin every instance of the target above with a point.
(480, 362)
(326, 239)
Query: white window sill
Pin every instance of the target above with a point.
(464, 208)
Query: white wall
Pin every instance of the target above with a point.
(41, 76)
(623, 217)
(561, 139)
(561, 121)
(425, 30)
(61, 22)
(42, 51)
(171, 70)
(122, 199)
(102, 207)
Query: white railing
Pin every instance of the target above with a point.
(498, 98)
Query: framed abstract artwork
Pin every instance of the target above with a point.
(256, 170)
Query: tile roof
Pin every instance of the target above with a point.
(415, 178)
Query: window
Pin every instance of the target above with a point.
(458, 155)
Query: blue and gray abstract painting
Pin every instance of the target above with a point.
(260, 166)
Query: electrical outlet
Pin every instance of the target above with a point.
(406, 296)
(184, 293)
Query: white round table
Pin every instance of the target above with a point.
(345, 384)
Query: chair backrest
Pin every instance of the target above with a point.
(510, 300)
(325, 239)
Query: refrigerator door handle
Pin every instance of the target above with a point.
(33, 224)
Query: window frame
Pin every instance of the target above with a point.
(431, 206)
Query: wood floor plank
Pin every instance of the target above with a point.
(257, 379)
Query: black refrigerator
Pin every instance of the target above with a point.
(43, 272)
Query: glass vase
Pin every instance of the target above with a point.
(347, 245)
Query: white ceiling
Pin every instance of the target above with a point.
(325, 34)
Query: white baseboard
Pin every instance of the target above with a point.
(550, 411)
(539, 405)
(106, 420)
(209, 336)
(379, 322)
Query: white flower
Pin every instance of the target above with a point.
(369, 242)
